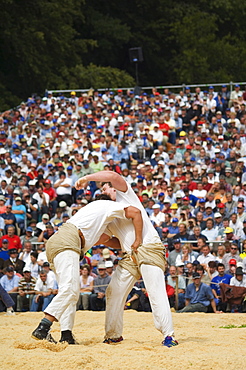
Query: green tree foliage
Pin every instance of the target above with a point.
(38, 41)
(96, 77)
(81, 43)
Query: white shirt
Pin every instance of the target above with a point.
(92, 220)
(124, 229)
(157, 135)
(179, 259)
(236, 282)
(44, 287)
(210, 234)
(37, 197)
(42, 257)
(157, 219)
(64, 190)
(200, 193)
(51, 276)
(237, 227)
(87, 284)
(211, 204)
(205, 259)
(26, 257)
(34, 270)
(211, 104)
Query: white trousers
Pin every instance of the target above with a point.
(63, 305)
(120, 286)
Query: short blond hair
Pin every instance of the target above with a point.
(188, 246)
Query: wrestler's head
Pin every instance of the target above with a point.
(108, 189)
(103, 197)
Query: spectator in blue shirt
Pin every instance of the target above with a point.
(10, 283)
(120, 157)
(198, 296)
(8, 217)
(96, 257)
(173, 229)
(6, 301)
(220, 278)
(4, 254)
(19, 210)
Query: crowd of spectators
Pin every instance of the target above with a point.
(184, 155)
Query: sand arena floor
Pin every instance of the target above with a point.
(203, 344)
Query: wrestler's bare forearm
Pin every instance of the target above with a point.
(109, 241)
(103, 176)
(113, 243)
(137, 220)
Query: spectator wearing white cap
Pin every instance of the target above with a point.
(114, 121)
(44, 105)
(42, 224)
(62, 142)
(65, 208)
(63, 188)
(218, 223)
(107, 255)
(19, 210)
(109, 268)
(157, 218)
(157, 135)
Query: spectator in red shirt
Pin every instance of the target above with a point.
(33, 173)
(191, 184)
(206, 185)
(164, 127)
(14, 240)
(52, 194)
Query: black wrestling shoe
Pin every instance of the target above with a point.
(67, 336)
(42, 333)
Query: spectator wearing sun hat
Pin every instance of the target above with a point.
(174, 209)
